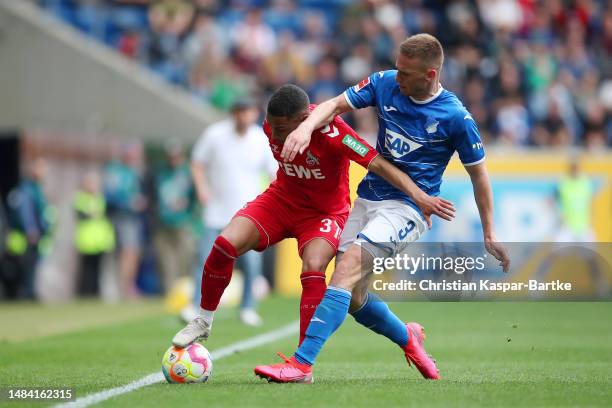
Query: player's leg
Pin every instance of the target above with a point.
(256, 226)
(367, 308)
(238, 237)
(318, 237)
(354, 265)
(391, 227)
(328, 316)
(316, 255)
(335, 304)
(375, 315)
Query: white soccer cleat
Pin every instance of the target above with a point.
(195, 330)
(250, 318)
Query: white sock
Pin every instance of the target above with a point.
(207, 315)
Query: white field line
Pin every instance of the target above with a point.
(157, 377)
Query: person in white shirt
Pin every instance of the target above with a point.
(227, 165)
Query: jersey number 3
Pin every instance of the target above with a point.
(327, 227)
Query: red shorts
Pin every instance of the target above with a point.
(276, 218)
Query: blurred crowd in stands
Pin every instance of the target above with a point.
(532, 72)
(124, 209)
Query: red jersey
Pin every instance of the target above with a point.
(319, 177)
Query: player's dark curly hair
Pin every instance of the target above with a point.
(287, 101)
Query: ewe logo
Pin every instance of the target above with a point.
(399, 145)
(299, 171)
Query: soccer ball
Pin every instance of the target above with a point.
(191, 364)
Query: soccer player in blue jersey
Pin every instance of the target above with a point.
(421, 125)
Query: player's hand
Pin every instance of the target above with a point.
(435, 206)
(296, 142)
(500, 253)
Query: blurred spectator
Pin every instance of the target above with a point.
(282, 15)
(525, 54)
(284, 65)
(175, 199)
(357, 65)
(325, 85)
(94, 235)
(129, 44)
(574, 197)
(253, 40)
(315, 37)
(126, 203)
(228, 162)
(227, 87)
(595, 127)
(29, 223)
(501, 14)
(3, 230)
(206, 44)
(169, 21)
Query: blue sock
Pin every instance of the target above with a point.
(329, 315)
(376, 316)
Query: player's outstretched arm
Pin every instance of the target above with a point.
(484, 200)
(323, 114)
(429, 205)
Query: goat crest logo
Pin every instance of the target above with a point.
(311, 159)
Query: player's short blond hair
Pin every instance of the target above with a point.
(424, 47)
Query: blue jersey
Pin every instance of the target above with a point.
(418, 137)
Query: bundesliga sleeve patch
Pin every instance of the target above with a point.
(355, 145)
(361, 84)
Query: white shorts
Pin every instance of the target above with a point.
(383, 228)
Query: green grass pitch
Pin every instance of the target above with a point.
(489, 354)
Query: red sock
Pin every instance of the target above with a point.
(313, 289)
(217, 273)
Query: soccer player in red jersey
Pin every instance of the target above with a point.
(309, 200)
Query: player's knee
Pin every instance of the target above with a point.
(348, 270)
(241, 235)
(314, 262)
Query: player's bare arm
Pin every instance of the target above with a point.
(298, 140)
(484, 200)
(429, 205)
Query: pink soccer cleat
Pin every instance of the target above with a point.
(291, 371)
(416, 354)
